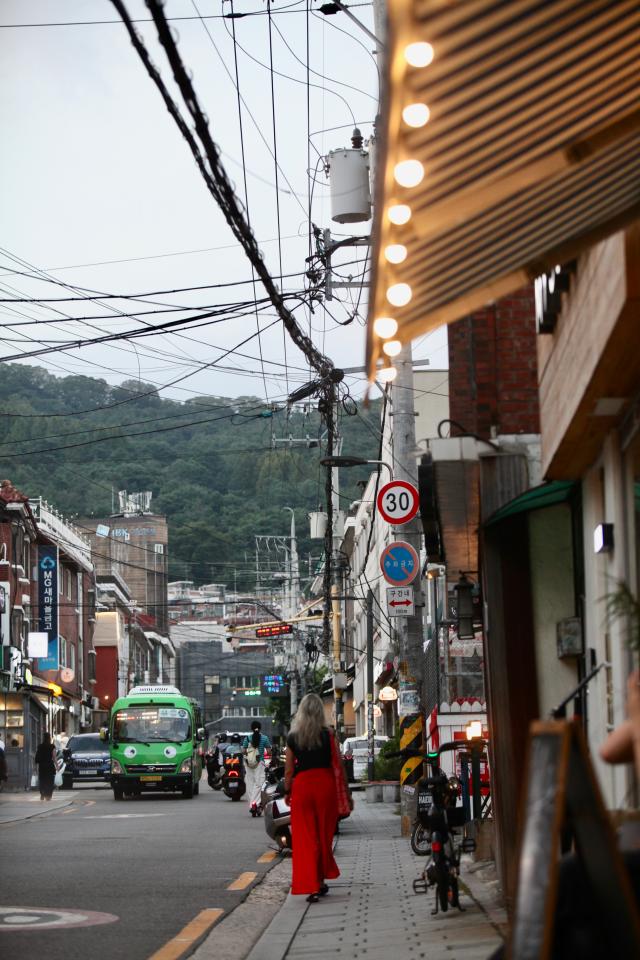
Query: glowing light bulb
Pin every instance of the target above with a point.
(408, 173)
(385, 327)
(416, 114)
(399, 294)
(395, 253)
(386, 374)
(399, 214)
(419, 54)
(392, 348)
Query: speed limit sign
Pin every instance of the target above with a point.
(398, 501)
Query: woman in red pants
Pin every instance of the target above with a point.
(310, 787)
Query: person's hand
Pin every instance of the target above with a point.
(350, 802)
(623, 744)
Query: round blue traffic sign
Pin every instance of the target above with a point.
(399, 563)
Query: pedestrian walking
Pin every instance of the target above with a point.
(46, 763)
(254, 748)
(311, 791)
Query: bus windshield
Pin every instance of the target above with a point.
(152, 723)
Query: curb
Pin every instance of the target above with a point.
(40, 812)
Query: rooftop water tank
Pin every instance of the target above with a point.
(349, 182)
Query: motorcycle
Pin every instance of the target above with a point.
(233, 783)
(277, 814)
(214, 771)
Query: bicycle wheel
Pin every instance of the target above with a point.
(420, 840)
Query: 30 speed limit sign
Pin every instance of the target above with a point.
(398, 501)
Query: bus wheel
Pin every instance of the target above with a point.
(187, 791)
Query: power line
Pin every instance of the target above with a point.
(215, 178)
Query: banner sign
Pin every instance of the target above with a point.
(48, 604)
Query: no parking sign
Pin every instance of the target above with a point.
(399, 563)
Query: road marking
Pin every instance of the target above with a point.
(185, 941)
(42, 918)
(242, 881)
(120, 816)
(68, 810)
(268, 856)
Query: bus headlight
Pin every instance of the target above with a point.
(116, 767)
(186, 766)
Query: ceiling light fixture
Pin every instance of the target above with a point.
(416, 114)
(408, 173)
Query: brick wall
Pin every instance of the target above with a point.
(493, 380)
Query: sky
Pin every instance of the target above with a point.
(99, 190)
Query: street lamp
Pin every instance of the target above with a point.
(352, 462)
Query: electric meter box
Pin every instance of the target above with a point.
(349, 184)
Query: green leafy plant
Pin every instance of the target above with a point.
(388, 768)
(623, 605)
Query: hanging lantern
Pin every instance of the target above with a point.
(388, 694)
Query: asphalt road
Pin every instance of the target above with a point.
(154, 862)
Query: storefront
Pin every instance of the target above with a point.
(23, 720)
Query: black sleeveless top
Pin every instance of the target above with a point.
(314, 758)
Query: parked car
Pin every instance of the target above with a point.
(355, 751)
(86, 759)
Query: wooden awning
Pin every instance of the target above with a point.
(531, 152)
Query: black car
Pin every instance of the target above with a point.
(86, 759)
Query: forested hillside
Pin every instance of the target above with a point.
(209, 461)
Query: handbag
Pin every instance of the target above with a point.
(34, 781)
(58, 778)
(345, 803)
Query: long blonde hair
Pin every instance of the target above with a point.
(308, 722)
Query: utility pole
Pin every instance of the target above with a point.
(291, 594)
(410, 629)
(370, 730)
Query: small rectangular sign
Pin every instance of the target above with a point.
(37, 644)
(400, 602)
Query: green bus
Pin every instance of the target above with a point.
(154, 739)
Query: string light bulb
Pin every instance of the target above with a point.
(386, 374)
(408, 173)
(385, 327)
(419, 54)
(395, 253)
(399, 213)
(416, 114)
(392, 348)
(399, 294)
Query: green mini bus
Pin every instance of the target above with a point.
(154, 737)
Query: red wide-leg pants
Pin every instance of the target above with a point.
(314, 813)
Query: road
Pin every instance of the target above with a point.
(154, 863)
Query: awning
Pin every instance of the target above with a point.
(546, 495)
(531, 152)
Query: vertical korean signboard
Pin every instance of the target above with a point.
(48, 604)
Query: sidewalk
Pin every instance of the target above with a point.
(372, 912)
(22, 805)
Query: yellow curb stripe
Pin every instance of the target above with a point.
(268, 856)
(184, 942)
(242, 881)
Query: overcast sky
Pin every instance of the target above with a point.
(98, 187)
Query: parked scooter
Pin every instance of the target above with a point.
(233, 782)
(277, 815)
(273, 774)
(434, 832)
